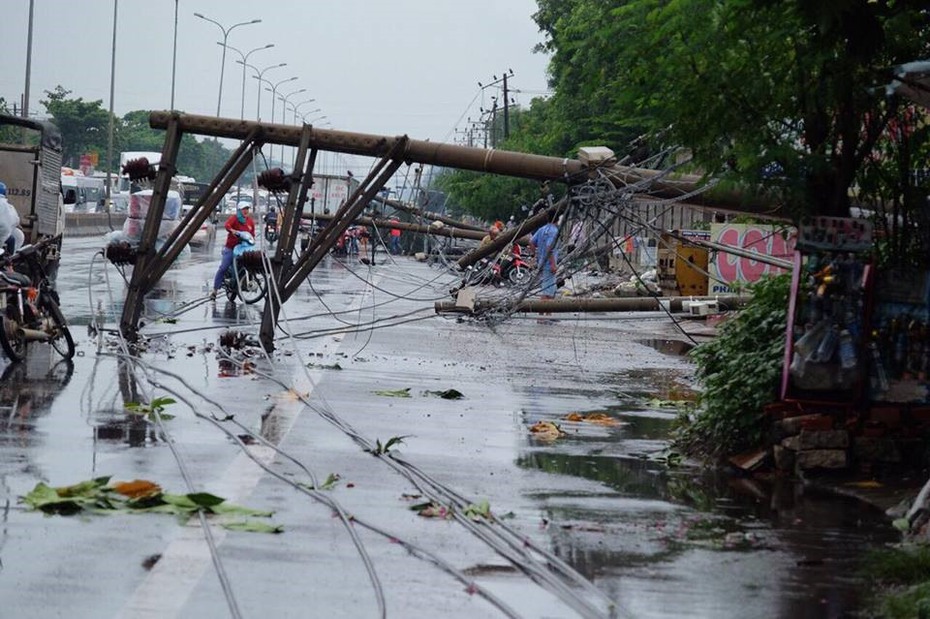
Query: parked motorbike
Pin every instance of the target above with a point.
(245, 278)
(29, 309)
(507, 269)
(515, 270)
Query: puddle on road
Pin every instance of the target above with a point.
(26, 392)
(119, 427)
(677, 348)
(645, 384)
(690, 542)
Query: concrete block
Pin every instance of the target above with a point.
(789, 426)
(784, 458)
(823, 439)
(822, 459)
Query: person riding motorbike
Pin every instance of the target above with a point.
(240, 222)
(271, 219)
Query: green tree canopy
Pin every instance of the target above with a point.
(787, 93)
(84, 128)
(784, 97)
(83, 124)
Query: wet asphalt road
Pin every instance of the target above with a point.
(598, 498)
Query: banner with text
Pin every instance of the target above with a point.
(725, 269)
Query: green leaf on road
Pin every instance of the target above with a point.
(99, 496)
(253, 526)
(396, 393)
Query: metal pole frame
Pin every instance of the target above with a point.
(281, 265)
(345, 215)
(141, 281)
(151, 265)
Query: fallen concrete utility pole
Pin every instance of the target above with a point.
(507, 163)
(576, 304)
(386, 224)
(400, 206)
(506, 238)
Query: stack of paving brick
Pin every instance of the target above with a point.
(810, 442)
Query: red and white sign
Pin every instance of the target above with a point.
(726, 269)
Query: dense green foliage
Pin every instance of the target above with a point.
(84, 127)
(904, 575)
(781, 96)
(739, 371)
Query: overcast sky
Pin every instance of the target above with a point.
(387, 67)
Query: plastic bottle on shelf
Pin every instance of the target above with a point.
(827, 346)
(847, 350)
(879, 375)
(806, 346)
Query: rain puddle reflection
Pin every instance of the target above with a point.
(27, 391)
(682, 541)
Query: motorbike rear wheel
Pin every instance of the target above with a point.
(251, 287)
(60, 338)
(518, 275)
(13, 345)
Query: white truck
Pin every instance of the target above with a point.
(30, 165)
(82, 194)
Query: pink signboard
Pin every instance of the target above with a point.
(725, 269)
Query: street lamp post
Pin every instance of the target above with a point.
(245, 62)
(225, 31)
(284, 112)
(258, 75)
(174, 52)
(297, 106)
(274, 92)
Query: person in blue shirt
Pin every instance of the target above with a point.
(543, 242)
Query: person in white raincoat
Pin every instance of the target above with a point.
(11, 236)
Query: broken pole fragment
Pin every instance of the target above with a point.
(620, 304)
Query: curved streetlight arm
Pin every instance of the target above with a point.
(274, 93)
(245, 63)
(297, 106)
(285, 98)
(225, 31)
(259, 75)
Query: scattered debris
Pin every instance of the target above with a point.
(99, 496)
(749, 461)
(485, 569)
(331, 366)
(448, 394)
(149, 562)
(479, 511)
(154, 410)
(546, 430)
(386, 447)
(600, 419)
(396, 393)
(431, 509)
